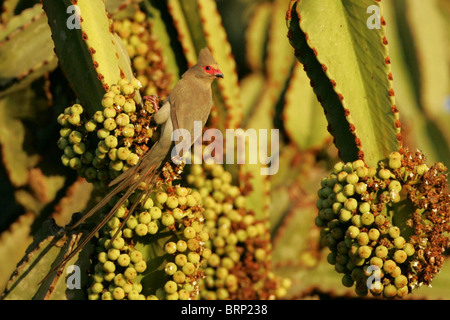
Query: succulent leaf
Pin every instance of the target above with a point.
(366, 105)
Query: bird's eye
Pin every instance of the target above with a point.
(207, 68)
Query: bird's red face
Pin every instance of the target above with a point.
(214, 71)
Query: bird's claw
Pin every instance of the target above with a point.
(154, 100)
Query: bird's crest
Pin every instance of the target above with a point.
(205, 58)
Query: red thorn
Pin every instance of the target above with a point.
(385, 42)
(387, 60)
(399, 137)
(394, 109)
(358, 142)
(100, 77)
(391, 92)
(333, 83)
(398, 124)
(84, 36)
(383, 22)
(340, 97)
(315, 52)
(95, 64)
(390, 77)
(324, 68)
(361, 155)
(352, 127)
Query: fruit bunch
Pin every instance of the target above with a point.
(385, 226)
(239, 249)
(144, 49)
(166, 229)
(102, 146)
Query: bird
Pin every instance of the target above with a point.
(190, 100)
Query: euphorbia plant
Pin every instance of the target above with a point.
(383, 213)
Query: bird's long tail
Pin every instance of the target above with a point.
(148, 172)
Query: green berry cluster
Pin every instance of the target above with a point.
(102, 146)
(372, 220)
(175, 215)
(238, 252)
(145, 53)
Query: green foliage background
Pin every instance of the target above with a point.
(264, 87)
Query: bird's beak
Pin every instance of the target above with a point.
(219, 74)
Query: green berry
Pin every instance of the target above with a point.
(62, 143)
(374, 234)
(395, 160)
(353, 232)
(179, 277)
(74, 119)
(128, 131)
(113, 254)
(136, 256)
(389, 266)
(90, 125)
(122, 119)
(119, 100)
(141, 229)
(367, 218)
(133, 159)
(130, 273)
(172, 202)
(141, 266)
(409, 249)
(344, 215)
(384, 174)
(189, 233)
(395, 185)
(99, 117)
(167, 219)
(129, 106)
(161, 197)
(123, 153)
(390, 291)
(381, 251)
(155, 212)
(364, 207)
(180, 259)
(152, 227)
(188, 268)
(349, 190)
(360, 187)
(79, 148)
(170, 287)
(362, 238)
(399, 242)
(364, 252)
(123, 260)
(109, 267)
(170, 247)
(352, 178)
(102, 133)
(351, 204)
(111, 141)
(394, 232)
(118, 293)
(170, 268)
(421, 169)
(75, 163)
(400, 281)
(109, 124)
(400, 256)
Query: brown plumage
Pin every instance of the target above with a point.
(189, 101)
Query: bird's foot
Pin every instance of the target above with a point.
(154, 100)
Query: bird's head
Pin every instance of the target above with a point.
(207, 66)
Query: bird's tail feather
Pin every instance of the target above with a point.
(132, 182)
